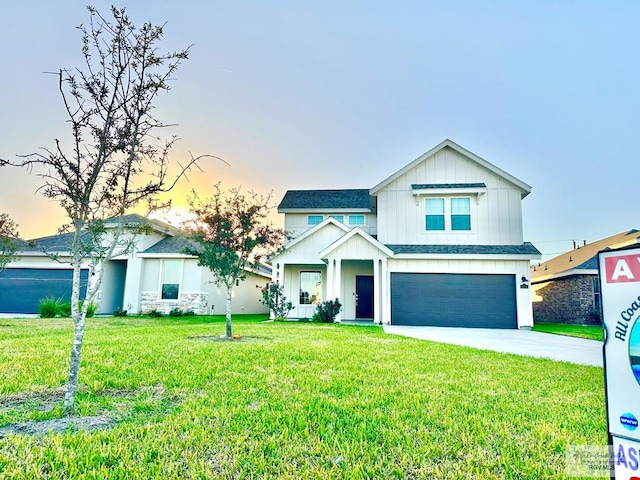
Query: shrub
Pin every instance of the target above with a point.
(91, 309)
(64, 309)
(175, 312)
(154, 313)
(48, 307)
(273, 297)
(189, 313)
(326, 311)
(119, 312)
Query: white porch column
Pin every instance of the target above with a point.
(330, 278)
(337, 286)
(376, 291)
(386, 294)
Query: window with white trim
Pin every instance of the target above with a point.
(310, 288)
(447, 214)
(339, 218)
(461, 213)
(314, 219)
(356, 220)
(170, 274)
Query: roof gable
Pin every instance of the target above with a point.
(359, 234)
(525, 188)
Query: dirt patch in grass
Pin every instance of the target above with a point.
(46, 402)
(223, 338)
(59, 425)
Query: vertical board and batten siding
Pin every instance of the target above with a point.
(296, 223)
(307, 249)
(496, 215)
(357, 248)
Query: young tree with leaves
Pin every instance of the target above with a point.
(115, 160)
(231, 234)
(8, 240)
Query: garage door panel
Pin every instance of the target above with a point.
(453, 300)
(21, 289)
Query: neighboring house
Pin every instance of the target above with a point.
(155, 276)
(439, 242)
(566, 289)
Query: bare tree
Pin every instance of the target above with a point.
(230, 235)
(116, 159)
(8, 240)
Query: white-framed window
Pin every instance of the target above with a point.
(434, 213)
(310, 287)
(339, 218)
(170, 276)
(447, 214)
(356, 220)
(461, 213)
(314, 219)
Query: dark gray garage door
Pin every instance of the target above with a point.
(453, 300)
(21, 289)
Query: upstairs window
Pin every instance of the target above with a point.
(356, 220)
(434, 213)
(314, 219)
(461, 213)
(447, 214)
(339, 218)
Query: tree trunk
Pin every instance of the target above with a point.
(229, 333)
(78, 334)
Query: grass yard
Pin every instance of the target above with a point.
(583, 331)
(288, 401)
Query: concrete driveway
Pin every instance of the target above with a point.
(520, 342)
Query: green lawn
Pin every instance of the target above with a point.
(582, 331)
(289, 401)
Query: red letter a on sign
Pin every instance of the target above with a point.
(625, 268)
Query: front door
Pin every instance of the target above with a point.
(364, 296)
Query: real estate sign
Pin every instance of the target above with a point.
(620, 290)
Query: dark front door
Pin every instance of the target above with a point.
(364, 296)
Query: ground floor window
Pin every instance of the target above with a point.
(310, 288)
(170, 279)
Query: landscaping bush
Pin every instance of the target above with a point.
(154, 313)
(91, 309)
(273, 297)
(48, 307)
(64, 309)
(176, 312)
(189, 313)
(326, 311)
(119, 312)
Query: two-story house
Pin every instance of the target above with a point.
(439, 242)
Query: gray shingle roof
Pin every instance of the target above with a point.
(328, 199)
(169, 245)
(425, 186)
(524, 249)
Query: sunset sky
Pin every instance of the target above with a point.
(333, 94)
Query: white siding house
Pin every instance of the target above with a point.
(439, 242)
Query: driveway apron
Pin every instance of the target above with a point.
(520, 342)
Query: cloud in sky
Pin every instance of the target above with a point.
(341, 94)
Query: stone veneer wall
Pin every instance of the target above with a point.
(568, 300)
(196, 302)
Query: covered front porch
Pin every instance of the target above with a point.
(353, 269)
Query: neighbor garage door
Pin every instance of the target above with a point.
(453, 300)
(21, 289)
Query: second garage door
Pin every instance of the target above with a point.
(453, 300)
(21, 289)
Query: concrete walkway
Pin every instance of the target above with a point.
(521, 342)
